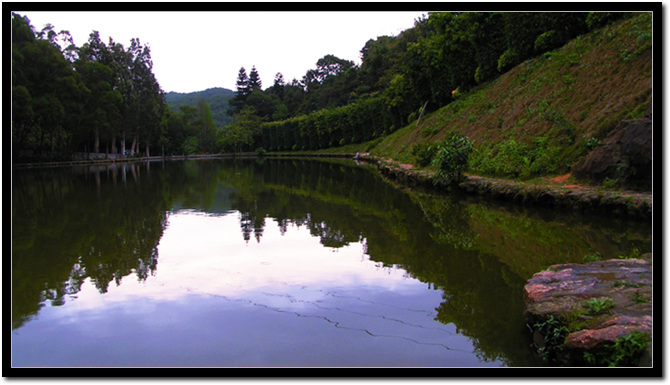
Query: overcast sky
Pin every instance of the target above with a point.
(193, 51)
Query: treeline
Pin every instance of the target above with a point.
(104, 97)
(93, 98)
(101, 98)
(400, 78)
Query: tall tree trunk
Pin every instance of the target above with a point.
(96, 142)
(132, 146)
(114, 146)
(53, 145)
(123, 144)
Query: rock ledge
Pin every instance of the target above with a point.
(565, 292)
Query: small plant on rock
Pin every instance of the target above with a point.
(593, 257)
(634, 254)
(554, 333)
(625, 351)
(597, 306)
(638, 297)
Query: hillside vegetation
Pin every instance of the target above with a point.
(526, 94)
(547, 113)
(216, 97)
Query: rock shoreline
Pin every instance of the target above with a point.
(567, 293)
(583, 199)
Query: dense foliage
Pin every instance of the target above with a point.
(67, 99)
(101, 97)
(216, 97)
(401, 77)
(452, 158)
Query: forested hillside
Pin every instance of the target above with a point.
(583, 108)
(533, 89)
(216, 97)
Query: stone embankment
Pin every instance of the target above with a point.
(571, 197)
(597, 303)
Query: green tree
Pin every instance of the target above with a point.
(176, 131)
(278, 86)
(488, 44)
(237, 102)
(238, 135)
(254, 83)
(46, 93)
(205, 128)
(147, 99)
(96, 68)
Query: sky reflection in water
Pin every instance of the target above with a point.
(218, 300)
(277, 263)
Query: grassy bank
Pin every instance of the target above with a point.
(540, 118)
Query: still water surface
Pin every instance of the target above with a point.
(277, 263)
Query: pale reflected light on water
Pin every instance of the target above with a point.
(277, 263)
(205, 254)
(285, 300)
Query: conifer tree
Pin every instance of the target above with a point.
(237, 102)
(254, 81)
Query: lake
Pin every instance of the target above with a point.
(276, 263)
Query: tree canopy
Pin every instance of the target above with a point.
(103, 97)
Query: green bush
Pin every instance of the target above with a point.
(452, 158)
(423, 153)
(548, 41)
(508, 59)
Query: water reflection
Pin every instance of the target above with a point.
(66, 228)
(320, 241)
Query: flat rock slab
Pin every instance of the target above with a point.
(563, 291)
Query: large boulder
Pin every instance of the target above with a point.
(624, 155)
(563, 293)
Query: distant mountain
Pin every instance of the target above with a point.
(217, 98)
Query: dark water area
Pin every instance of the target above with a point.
(277, 262)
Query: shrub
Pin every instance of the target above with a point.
(452, 158)
(423, 153)
(507, 60)
(548, 41)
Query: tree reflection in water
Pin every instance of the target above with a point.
(104, 223)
